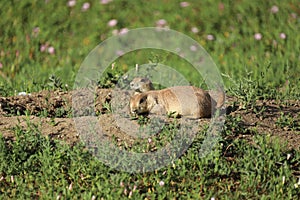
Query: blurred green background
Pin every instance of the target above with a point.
(40, 38)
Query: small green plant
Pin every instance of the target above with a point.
(5, 90)
(244, 89)
(107, 107)
(172, 114)
(62, 112)
(43, 113)
(52, 122)
(142, 120)
(259, 111)
(111, 77)
(55, 83)
(287, 121)
(251, 88)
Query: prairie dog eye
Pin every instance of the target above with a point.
(131, 84)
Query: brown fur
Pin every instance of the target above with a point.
(180, 100)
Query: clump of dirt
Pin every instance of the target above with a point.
(52, 112)
(50, 103)
(36, 103)
(280, 119)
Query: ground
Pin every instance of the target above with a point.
(50, 111)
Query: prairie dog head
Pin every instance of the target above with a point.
(141, 103)
(141, 85)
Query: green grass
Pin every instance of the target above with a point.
(74, 34)
(33, 166)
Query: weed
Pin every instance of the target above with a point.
(142, 120)
(55, 83)
(107, 107)
(287, 121)
(250, 88)
(111, 77)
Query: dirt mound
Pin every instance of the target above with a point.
(51, 112)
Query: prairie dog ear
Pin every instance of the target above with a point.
(144, 80)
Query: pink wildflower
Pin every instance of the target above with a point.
(70, 186)
(125, 191)
(210, 37)
(43, 47)
(51, 50)
(274, 9)
(195, 30)
(258, 36)
(86, 6)
(282, 36)
(130, 194)
(123, 31)
(120, 53)
(221, 6)
(105, 1)
(294, 15)
(71, 3)
(161, 22)
(36, 31)
(193, 48)
(134, 188)
(161, 183)
(184, 4)
(112, 22)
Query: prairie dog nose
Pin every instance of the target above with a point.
(133, 111)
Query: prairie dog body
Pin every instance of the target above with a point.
(144, 85)
(180, 100)
(140, 85)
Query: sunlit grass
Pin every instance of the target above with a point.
(33, 166)
(40, 38)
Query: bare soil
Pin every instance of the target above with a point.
(51, 112)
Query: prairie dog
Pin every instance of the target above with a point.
(140, 85)
(144, 85)
(187, 101)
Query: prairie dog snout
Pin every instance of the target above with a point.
(181, 100)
